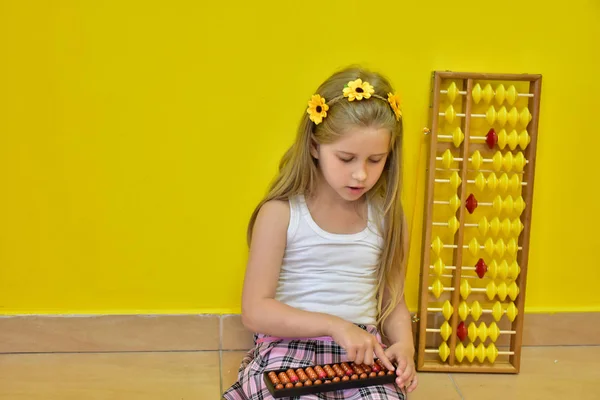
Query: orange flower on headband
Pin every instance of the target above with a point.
(317, 109)
(395, 102)
(358, 90)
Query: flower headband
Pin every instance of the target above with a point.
(354, 90)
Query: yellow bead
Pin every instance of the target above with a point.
(438, 267)
(476, 160)
(476, 93)
(525, 116)
(512, 311)
(459, 352)
(492, 181)
(463, 310)
(483, 226)
(455, 180)
(513, 116)
(452, 92)
(512, 139)
(474, 247)
(445, 330)
(480, 353)
(480, 182)
(513, 270)
(519, 162)
(497, 161)
(492, 271)
(506, 227)
(490, 290)
(497, 311)
(512, 247)
(487, 93)
(458, 136)
(453, 224)
(495, 226)
(492, 353)
(447, 310)
(465, 289)
(524, 139)
(447, 159)
(437, 288)
(490, 115)
(444, 351)
(507, 162)
(519, 205)
(437, 245)
(489, 247)
(454, 203)
(476, 310)
(450, 114)
(501, 116)
(500, 94)
(511, 94)
(493, 332)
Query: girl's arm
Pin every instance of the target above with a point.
(398, 326)
(260, 311)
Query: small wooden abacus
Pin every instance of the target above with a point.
(325, 378)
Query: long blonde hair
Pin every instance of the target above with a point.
(298, 172)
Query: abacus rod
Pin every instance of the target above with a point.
(476, 170)
(452, 276)
(458, 254)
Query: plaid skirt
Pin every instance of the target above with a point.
(275, 353)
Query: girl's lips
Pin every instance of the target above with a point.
(356, 189)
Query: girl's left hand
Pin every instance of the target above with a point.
(405, 369)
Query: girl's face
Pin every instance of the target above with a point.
(353, 164)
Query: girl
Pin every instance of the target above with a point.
(325, 274)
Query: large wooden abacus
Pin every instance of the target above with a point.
(477, 221)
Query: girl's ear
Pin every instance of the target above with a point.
(314, 148)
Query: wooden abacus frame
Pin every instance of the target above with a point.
(465, 82)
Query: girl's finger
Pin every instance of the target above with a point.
(413, 385)
(383, 357)
(360, 355)
(369, 356)
(351, 354)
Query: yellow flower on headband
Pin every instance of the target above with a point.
(358, 90)
(317, 109)
(394, 101)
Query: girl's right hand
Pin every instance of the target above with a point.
(359, 344)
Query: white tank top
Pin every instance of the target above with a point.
(330, 273)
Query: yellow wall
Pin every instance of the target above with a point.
(136, 137)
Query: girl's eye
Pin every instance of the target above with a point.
(376, 161)
(345, 159)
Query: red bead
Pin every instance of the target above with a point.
(471, 203)
(491, 138)
(481, 268)
(461, 331)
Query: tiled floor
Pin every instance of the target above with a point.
(546, 373)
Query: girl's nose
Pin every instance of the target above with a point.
(360, 174)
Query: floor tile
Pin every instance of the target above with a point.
(101, 376)
(546, 373)
(234, 335)
(230, 363)
(436, 386)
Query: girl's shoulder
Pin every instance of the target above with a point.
(275, 211)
